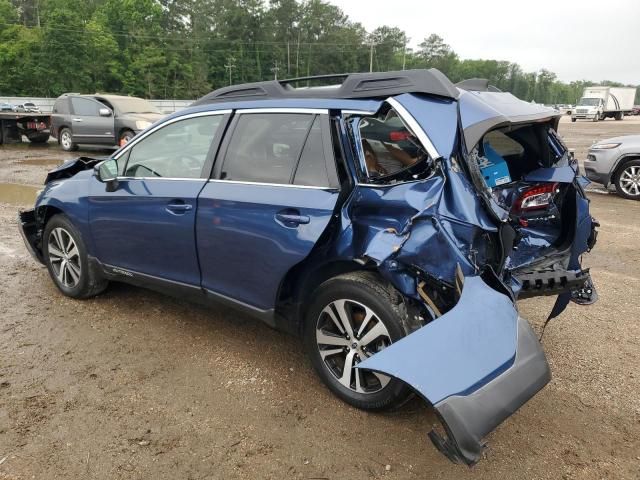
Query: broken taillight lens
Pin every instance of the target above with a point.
(536, 198)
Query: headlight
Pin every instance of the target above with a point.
(604, 146)
(142, 124)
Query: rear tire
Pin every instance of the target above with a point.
(573, 119)
(66, 140)
(619, 116)
(377, 317)
(627, 180)
(38, 137)
(66, 258)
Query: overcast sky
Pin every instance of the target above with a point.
(588, 39)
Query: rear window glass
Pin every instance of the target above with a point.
(265, 147)
(388, 145)
(312, 169)
(61, 106)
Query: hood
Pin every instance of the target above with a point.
(148, 117)
(624, 140)
(484, 111)
(69, 168)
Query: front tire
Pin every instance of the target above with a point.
(352, 317)
(627, 180)
(66, 140)
(125, 137)
(66, 258)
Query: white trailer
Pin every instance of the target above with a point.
(598, 103)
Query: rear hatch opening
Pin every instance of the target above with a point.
(528, 176)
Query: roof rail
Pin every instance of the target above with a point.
(353, 85)
(477, 85)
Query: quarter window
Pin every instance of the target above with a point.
(312, 168)
(265, 147)
(85, 107)
(178, 150)
(388, 144)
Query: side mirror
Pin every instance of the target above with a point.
(107, 173)
(104, 112)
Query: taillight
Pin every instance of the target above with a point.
(399, 136)
(536, 198)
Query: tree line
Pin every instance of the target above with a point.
(186, 48)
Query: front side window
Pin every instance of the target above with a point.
(265, 147)
(85, 107)
(388, 146)
(178, 150)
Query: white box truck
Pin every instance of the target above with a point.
(598, 103)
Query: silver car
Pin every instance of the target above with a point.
(616, 160)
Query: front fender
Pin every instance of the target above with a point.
(477, 364)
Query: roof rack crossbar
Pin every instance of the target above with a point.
(314, 77)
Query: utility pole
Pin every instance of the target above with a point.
(404, 57)
(275, 69)
(371, 44)
(230, 66)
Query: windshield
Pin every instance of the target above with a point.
(589, 102)
(132, 105)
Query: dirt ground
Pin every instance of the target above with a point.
(136, 385)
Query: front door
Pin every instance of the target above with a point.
(273, 196)
(87, 125)
(147, 224)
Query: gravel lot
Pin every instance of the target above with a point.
(136, 385)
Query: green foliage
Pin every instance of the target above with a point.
(185, 48)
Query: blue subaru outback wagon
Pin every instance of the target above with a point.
(392, 220)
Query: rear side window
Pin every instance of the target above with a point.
(265, 147)
(312, 169)
(85, 107)
(61, 106)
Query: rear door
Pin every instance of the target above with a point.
(273, 193)
(87, 125)
(146, 227)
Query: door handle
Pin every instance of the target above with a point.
(291, 218)
(77, 119)
(178, 207)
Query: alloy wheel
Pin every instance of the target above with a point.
(64, 257)
(348, 332)
(65, 139)
(630, 180)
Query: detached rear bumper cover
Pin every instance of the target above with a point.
(476, 365)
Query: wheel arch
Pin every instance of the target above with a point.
(620, 163)
(302, 280)
(122, 130)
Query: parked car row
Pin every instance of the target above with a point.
(28, 107)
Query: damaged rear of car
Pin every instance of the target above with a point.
(492, 210)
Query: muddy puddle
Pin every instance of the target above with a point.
(17, 194)
(47, 162)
